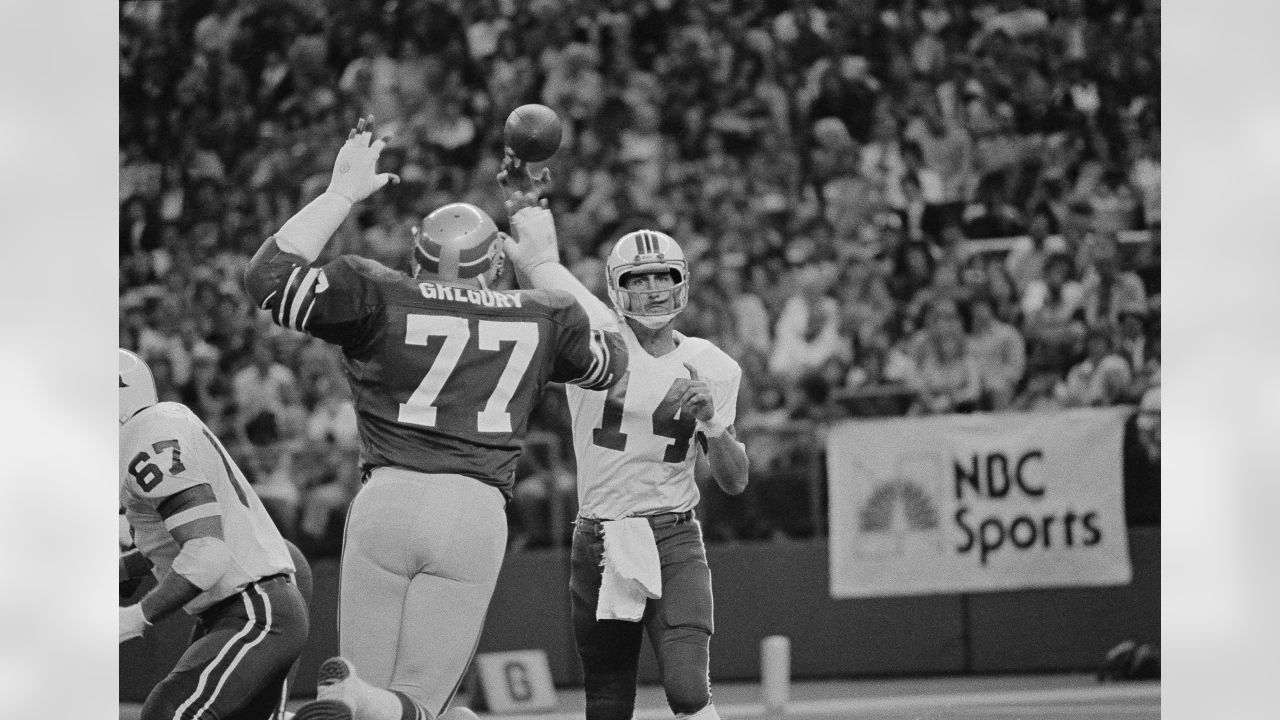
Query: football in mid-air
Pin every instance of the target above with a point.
(532, 132)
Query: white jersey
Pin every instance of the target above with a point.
(634, 446)
(165, 449)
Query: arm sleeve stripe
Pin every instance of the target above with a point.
(596, 362)
(286, 298)
(304, 296)
(599, 371)
(311, 305)
(200, 511)
(597, 339)
(606, 359)
(186, 498)
(267, 300)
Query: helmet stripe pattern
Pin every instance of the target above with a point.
(472, 262)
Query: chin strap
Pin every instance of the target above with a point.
(653, 322)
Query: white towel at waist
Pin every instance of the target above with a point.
(632, 572)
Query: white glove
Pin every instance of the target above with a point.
(132, 622)
(353, 174)
(533, 239)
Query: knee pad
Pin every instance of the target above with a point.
(685, 660)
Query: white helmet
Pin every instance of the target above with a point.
(137, 387)
(459, 242)
(646, 251)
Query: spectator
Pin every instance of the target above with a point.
(1144, 177)
(1051, 319)
(865, 302)
(1114, 203)
(266, 396)
(1107, 291)
(807, 333)
(750, 318)
(912, 271)
(948, 380)
(999, 353)
(207, 391)
(1025, 261)
(371, 77)
(1142, 462)
(878, 385)
(1102, 378)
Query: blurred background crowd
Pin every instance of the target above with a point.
(891, 207)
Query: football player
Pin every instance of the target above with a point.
(636, 446)
(204, 534)
(445, 372)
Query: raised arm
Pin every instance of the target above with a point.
(534, 251)
(305, 234)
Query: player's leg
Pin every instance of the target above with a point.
(247, 647)
(447, 602)
(303, 579)
(451, 531)
(681, 624)
(377, 564)
(266, 704)
(378, 561)
(608, 649)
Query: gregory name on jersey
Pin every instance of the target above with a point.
(485, 298)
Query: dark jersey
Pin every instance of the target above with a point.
(444, 377)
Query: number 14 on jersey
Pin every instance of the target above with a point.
(667, 419)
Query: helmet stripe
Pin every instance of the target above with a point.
(477, 252)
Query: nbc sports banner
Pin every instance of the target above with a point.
(964, 503)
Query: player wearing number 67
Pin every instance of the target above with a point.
(636, 445)
(204, 534)
(444, 372)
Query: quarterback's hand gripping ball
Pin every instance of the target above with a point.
(353, 172)
(533, 231)
(521, 187)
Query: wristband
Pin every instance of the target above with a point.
(133, 622)
(713, 429)
(135, 615)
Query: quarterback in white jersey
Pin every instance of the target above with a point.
(636, 446)
(214, 552)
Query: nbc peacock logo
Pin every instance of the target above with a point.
(899, 516)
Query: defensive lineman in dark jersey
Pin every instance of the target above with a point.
(444, 372)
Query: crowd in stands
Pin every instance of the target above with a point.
(889, 206)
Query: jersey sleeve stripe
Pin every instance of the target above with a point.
(596, 376)
(286, 298)
(187, 498)
(597, 339)
(311, 305)
(191, 514)
(596, 363)
(304, 296)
